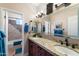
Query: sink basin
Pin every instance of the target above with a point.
(35, 38)
(66, 51)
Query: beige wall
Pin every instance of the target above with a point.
(21, 7)
(63, 16)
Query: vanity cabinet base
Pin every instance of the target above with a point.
(36, 50)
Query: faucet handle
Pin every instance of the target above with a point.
(61, 42)
(66, 39)
(74, 45)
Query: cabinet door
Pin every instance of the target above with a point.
(33, 49)
(30, 48)
(48, 54)
(36, 50)
(41, 51)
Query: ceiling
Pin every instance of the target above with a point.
(30, 10)
(37, 8)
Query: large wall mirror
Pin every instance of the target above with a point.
(62, 23)
(41, 26)
(66, 22)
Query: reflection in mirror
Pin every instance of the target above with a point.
(57, 28)
(43, 28)
(14, 29)
(68, 18)
(73, 26)
(39, 27)
(46, 27)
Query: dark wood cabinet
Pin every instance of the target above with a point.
(41, 51)
(32, 48)
(36, 50)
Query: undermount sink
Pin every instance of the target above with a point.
(36, 38)
(66, 51)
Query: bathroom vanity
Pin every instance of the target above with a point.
(37, 50)
(44, 47)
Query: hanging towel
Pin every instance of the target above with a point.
(2, 35)
(2, 44)
(26, 28)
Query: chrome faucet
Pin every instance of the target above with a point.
(66, 41)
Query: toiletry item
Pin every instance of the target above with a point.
(34, 35)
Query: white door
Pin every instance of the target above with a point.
(73, 26)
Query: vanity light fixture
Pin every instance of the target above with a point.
(59, 5)
(40, 15)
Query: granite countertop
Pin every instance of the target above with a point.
(48, 45)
